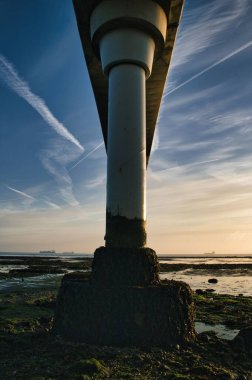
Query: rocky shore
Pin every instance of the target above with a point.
(28, 351)
(42, 265)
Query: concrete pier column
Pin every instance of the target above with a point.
(125, 35)
(126, 150)
(122, 302)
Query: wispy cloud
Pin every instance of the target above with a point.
(57, 155)
(155, 144)
(192, 97)
(20, 193)
(187, 167)
(55, 158)
(178, 145)
(10, 76)
(241, 118)
(203, 26)
(96, 182)
(224, 59)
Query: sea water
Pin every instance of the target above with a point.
(234, 281)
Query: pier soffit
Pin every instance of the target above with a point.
(154, 85)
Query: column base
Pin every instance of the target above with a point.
(160, 315)
(125, 266)
(124, 232)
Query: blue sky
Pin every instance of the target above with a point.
(199, 177)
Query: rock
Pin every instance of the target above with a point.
(203, 370)
(211, 372)
(213, 281)
(199, 291)
(159, 315)
(243, 341)
(210, 290)
(204, 337)
(90, 367)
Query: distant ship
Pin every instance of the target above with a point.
(51, 251)
(66, 253)
(209, 253)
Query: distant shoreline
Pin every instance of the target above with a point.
(91, 255)
(167, 263)
(233, 274)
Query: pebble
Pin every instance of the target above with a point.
(210, 290)
(213, 281)
(199, 291)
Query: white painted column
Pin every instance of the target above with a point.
(126, 146)
(127, 57)
(125, 34)
(126, 150)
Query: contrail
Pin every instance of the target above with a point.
(230, 55)
(20, 192)
(53, 205)
(190, 164)
(86, 156)
(21, 88)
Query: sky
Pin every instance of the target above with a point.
(52, 156)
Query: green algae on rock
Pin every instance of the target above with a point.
(222, 309)
(155, 315)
